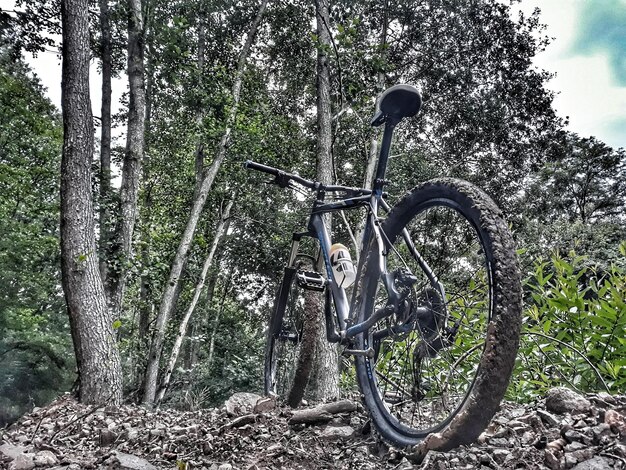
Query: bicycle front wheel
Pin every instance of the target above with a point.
(291, 340)
(442, 361)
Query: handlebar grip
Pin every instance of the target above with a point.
(258, 167)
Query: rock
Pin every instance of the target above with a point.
(574, 446)
(572, 435)
(552, 459)
(241, 403)
(132, 462)
(225, 466)
(548, 418)
(11, 451)
(616, 421)
(596, 463)
(500, 455)
(265, 405)
(570, 461)
(499, 442)
(22, 462)
(337, 432)
(563, 400)
(601, 432)
(45, 458)
(557, 444)
(107, 437)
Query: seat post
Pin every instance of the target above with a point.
(379, 181)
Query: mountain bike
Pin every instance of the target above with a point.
(433, 318)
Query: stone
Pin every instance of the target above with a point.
(572, 435)
(574, 446)
(562, 400)
(548, 418)
(45, 458)
(595, 463)
(616, 421)
(337, 432)
(225, 466)
(107, 437)
(570, 461)
(22, 462)
(500, 455)
(11, 451)
(265, 405)
(499, 442)
(552, 460)
(132, 462)
(601, 432)
(241, 403)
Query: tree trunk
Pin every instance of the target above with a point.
(167, 300)
(182, 329)
(97, 357)
(216, 321)
(324, 383)
(200, 324)
(105, 138)
(131, 169)
(146, 305)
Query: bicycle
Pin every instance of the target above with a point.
(434, 318)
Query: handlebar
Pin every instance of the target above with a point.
(283, 178)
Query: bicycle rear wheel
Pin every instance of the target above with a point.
(442, 362)
(291, 340)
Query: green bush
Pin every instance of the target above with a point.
(574, 328)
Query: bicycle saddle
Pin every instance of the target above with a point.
(397, 102)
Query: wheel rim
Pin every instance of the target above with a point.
(427, 359)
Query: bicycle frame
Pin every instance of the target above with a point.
(317, 229)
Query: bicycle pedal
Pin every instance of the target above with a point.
(311, 280)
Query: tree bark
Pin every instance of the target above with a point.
(167, 300)
(182, 329)
(216, 321)
(146, 305)
(200, 324)
(324, 383)
(97, 357)
(131, 169)
(105, 139)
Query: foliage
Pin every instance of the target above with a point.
(574, 328)
(586, 182)
(35, 348)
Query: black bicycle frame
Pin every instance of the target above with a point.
(316, 228)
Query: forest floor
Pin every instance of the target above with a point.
(562, 431)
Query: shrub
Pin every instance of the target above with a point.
(574, 328)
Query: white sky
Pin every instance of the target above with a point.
(588, 90)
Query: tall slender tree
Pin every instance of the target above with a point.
(105, 136)
(133, 156)
(325, 380)
(98, 359)
(204, 185)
